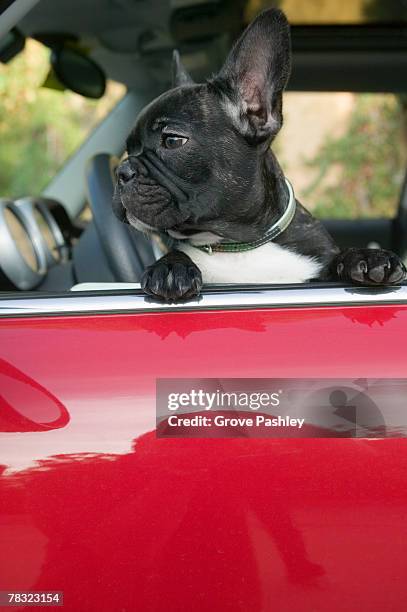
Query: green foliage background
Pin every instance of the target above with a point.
(369, 160)
(39, 127)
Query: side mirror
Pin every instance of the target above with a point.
(78, 72)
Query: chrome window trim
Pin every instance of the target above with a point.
(222, 298)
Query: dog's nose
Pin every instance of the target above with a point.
(125, 173)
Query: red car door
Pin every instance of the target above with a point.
(95, 505)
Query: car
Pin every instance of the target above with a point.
(103, 506)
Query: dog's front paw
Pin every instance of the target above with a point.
(173, 278)
(370, 267)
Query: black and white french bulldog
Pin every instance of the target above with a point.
(200, 170)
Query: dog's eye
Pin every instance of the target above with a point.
(170, 141)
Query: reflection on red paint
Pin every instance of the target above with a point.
(25, 405)
(239, 525)
(234, 525)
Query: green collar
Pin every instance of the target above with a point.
(275, 230)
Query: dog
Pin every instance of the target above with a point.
(200, 170)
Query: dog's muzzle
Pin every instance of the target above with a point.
(149, 192)
(125, 172)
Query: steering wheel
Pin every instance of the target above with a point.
(127, 250)
(400, 224)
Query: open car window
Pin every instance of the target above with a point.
(343, 148)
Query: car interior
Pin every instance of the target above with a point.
(46, 245)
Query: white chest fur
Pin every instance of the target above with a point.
(269, 263)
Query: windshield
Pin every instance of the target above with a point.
(332, 12)
(41, 127)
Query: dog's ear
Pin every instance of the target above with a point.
(255, 74)
(179, 75)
